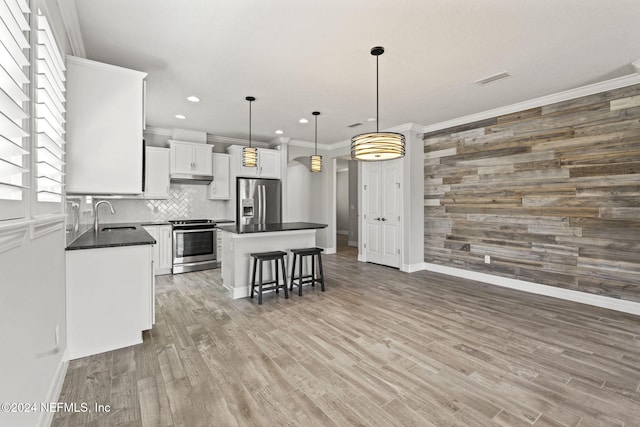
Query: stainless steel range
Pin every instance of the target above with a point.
(194, 245)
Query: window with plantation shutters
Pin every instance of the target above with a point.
(50, 120)
(14, 84)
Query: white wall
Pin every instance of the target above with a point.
(298, 193)
(413, 201)
(353, 203)
(342, 201)
(32, 304)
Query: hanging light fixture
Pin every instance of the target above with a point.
(316, 161)
(379, 145)
(250, 154)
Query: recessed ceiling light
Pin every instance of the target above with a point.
(181, 116)
(193, 99)
(303, 120)
(279, 132)
(371, 119)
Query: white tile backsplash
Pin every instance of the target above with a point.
(185, 202)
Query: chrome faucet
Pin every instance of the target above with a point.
(95, 222)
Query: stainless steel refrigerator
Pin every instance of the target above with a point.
(259, 201)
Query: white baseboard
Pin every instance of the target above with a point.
(53, 395)
(536, 288)
(361, 257)
(344, 232)
(412, 268)
(329, 251)
(237, 293)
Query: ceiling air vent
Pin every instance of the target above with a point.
(353, 125)
(492, 78)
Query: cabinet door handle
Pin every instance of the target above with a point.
(376, 219)
(383, 219)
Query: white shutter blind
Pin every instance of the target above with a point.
(50, 120)
(14, 81)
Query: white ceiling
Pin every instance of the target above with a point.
(297, 56)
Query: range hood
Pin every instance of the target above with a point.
(182, 178)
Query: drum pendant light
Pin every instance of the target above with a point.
(250, 154)
(371, 147)
(316, 161)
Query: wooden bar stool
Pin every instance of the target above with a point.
(316, 255)
(261, 257)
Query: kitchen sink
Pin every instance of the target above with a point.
(122, 228)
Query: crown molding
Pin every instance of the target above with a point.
(566, 95)
(280, 140)
(211, 139)
(152, 130)
(88, 63)
(227, 140)
(307, 144)
(406, 127)
(69, 15)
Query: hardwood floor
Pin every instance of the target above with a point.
(378, 348)
(343, 248)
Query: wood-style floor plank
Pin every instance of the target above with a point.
(378, 348)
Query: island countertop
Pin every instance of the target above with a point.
(123, 234)
(269, 228)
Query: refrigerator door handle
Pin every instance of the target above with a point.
(260, 204)
(264, 204)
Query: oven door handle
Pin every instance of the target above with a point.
(193, 231)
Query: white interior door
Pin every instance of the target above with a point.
(382, 213)
(371, 217)
(390, 178)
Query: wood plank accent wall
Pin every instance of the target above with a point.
(552, 194)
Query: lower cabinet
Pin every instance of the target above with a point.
(163, 249)
(110, 298)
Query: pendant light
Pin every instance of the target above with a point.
(316, 161)
(250, 154)
(371, 147)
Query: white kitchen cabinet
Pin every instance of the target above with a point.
(110, 298)
(190, 160)
(162, 252)
(105, 120)
(220, 186)
(156, 180)
(268, 165)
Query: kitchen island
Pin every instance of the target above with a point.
(238, 242)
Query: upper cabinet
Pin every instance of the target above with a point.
(105, 120)
(268, 163)
(156, 176)
(191, 160)
(219, 188)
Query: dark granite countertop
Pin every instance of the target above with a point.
(132, 234)
(225, 221)
(155, 223)
(267, 228)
